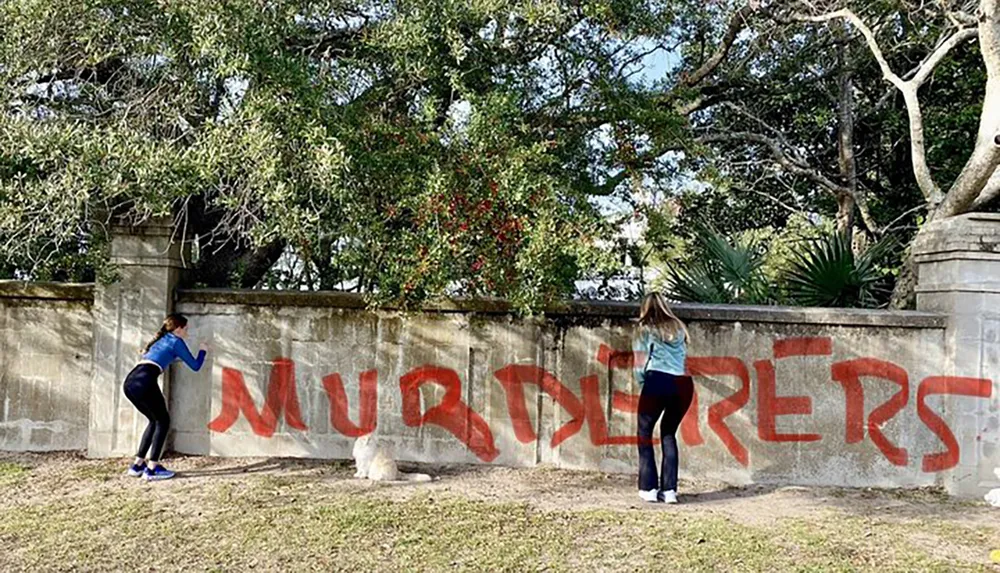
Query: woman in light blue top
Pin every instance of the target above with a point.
(142, 390)
(666, 391)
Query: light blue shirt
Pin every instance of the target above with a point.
(661, 355)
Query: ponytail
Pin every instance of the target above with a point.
(159, 334)
(170, 324)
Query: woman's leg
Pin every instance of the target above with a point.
(651, 406)
(147, 439)
(136, 391)
(676, 407)
(158, 407)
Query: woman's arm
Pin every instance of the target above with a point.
(181, 349)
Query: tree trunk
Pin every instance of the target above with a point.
(985, 157)
(845, 142)
(845, 214)
(226, 263)
(904, 294)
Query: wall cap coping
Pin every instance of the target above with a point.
(151, 227)
(594, 309)
(83, 292)
(970, 235)
(955, 254)
(946, 288)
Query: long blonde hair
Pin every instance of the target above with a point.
(656, 316)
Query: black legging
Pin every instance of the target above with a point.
(671, 396)
(141, 389)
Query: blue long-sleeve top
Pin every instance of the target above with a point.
(661, 355)
(170, 348)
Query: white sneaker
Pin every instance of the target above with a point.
(650, 496)
(669, 496)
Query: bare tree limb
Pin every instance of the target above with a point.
(783, 152)
(908, 88)
(847, 202)
(701, 102)
(928, 65)
(865, 31)
(336, 42)
(978, 176)
(891, 226)
(777, 133)
(990, 192)
(775, 200)
(866, 214)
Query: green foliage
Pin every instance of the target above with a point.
(720, 272)
(418, 148)
(403, 149)
(784, 243)
(784, 82)
(801, 265)
(827, 272)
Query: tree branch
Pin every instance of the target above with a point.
(780, 156)
(775, 200)
(866, 215)
(335, 42)
(102, 73)
(845, 139)
(736, 25)
(699, 103)
(990, 192)
(928, 65)
(865, 31)
(918, 149)
(978, 177)
(777, 133)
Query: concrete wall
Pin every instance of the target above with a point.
(804, 396)
(959, 276)
(46, 362)
(784, 395)
(126, 315)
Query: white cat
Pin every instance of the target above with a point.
(374, 462)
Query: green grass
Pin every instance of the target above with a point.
(12, 473)
(274, 525)
(282, 523)
(104, 470)
(358, 533)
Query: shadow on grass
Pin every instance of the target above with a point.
(726, 494)
(279, 466)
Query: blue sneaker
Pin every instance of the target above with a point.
(136, 470)
(157, 473)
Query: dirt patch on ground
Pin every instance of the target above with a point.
(543, 487)
(847, 526)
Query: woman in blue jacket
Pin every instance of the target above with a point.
(142, 390)
(666, 391)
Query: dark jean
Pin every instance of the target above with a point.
(142, 390)
(670, 396)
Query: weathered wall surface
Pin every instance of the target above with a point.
(46, 337)
(959, 277)
(807, 396)
(126, 315)
(783, 395)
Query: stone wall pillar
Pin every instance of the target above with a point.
(958, 262)
(127, 313)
